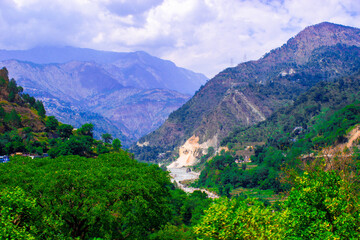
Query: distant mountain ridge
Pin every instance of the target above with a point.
(133, 69)
(49, 54)
(101, 87)
(251, 91)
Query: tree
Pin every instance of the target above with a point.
(51, 123)
(86, 129)
(106, 137)
(76, 145)
(27, 98)
(11, 96)
(322, 205)
(116, 144)
(193, 207)
(240, 219)
(14, 119)
(2, 112)
(65, 131)
(12, 89)
(18, 214)
(39, 106)
(21, 217)
(101, 148)
(110, 197)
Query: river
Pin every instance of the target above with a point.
(181, 174)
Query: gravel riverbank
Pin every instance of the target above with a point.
(181, 174)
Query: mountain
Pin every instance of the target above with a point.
(124, 94)
(320, 128)
(133, 69)
(250, 92)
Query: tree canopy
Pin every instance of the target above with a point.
(112, 196)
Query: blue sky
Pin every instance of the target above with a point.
(202, 35)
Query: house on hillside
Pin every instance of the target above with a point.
(4, 159)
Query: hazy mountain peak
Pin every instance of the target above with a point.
(133, 69)
(299, 48)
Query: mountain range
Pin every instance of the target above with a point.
(252, 91)
(124, 94)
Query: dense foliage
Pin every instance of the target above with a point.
(321, 205)
(110, 197)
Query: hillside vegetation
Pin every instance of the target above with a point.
(319, 118)
(25, 128)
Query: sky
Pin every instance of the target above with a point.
(205, 36)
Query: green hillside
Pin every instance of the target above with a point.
(319, 118)
(25, 129)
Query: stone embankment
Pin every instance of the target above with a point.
(181, 174)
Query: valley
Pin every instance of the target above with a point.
(267, 149)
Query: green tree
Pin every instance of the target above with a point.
(323, 206)
(101, 148)
(11, 96)
(12, 89)
(2, 112)
(39, 106)
(240, 219)
(65, 131)
(21, 217)
(14, 119)
(116, 144)
(110, 197)
(27, 98)
(193, 207)
(171, 232)
(86, 130)
(106, 137)
(51, 123)
(75, 145)
(18, 215)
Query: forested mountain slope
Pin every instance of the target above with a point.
(18, 111)
(318, 120)
(250, 92)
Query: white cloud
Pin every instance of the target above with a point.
(202, 35)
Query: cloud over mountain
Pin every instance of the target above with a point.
(187, 32)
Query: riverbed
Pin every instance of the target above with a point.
(181, 174)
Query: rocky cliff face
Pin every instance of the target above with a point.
(250, 92)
